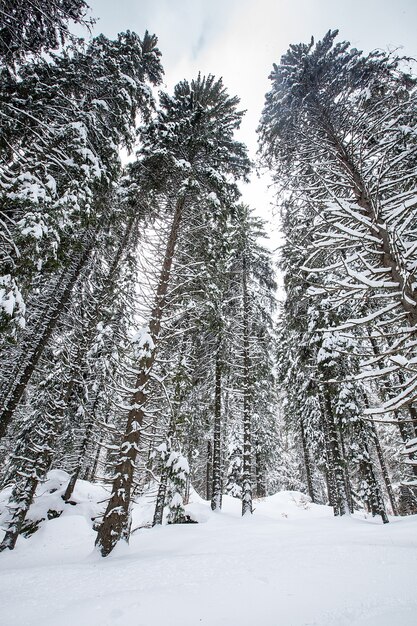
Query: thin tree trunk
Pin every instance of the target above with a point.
(209, 471)
(110, 280)
(260, 474)
(348, 486)
(403, 427)
(160, 500)
(366, 468)
(34, 470)
(383, 465)
(384, 471)
(307, 464)
(116, 521)
(19, 514)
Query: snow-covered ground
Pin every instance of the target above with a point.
(290, 564)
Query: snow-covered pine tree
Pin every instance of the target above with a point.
(340, 125)
(188, 152)
(75, 381)
(254, 287)
(35, 26)
(68, 139)
(337, 130)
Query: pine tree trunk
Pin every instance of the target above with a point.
(116, 521)
(307, 464)
(209, 471)
(160, 500)
(92, 473)
(383, 465)
(340, 504)
(384, 471)
(32, 470)
(216, 498)
(328, 469)
(247, 418)
(260, 474)
(71, 483)
(348, 486)
(367, 470)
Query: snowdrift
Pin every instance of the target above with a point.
(289, 564)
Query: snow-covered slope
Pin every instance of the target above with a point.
(290, 564)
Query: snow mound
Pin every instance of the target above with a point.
(291, 504)
(87, 500)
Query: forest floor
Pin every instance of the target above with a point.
(290, 564)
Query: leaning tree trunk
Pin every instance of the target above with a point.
(116, 521)
(216, 497)
(37, 340)
(247, 421)
(366, 469)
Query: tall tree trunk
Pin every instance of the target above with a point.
(404, 428)
(383, 465)
(216, 497)
(366, 469)
(160, 499)
(247, 417)
(116, 521)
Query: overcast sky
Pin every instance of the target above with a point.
(240, 39)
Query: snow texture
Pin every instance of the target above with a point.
(291, 563)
